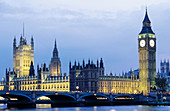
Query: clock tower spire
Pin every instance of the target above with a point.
(147, 56)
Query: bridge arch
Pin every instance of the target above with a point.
(96, 97)
(16, 97)
(58, 96)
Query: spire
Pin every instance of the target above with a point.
(14, 43)
(55, 46)
(146, 25)
(23, 29)
(146, 19)
(55, 51)
(32, 39)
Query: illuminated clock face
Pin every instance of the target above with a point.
(142, 43)
(152, 43)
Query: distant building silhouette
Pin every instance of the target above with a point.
(164, 69)
(164, 72)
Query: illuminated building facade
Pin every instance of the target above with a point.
(147, 56)
(90, 78)
(119, 84)
(55, 66)
(41, 82)
(23, 76)
(23, 55)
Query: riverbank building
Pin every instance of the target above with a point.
(22, 77)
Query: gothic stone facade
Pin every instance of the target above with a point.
(22, 56)
(23, 78)
(90, 77)
(86, 77)
(147, 56)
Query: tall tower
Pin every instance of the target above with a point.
(55, 65)
(147, 56)
(23, 55)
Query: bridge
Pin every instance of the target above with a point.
(29, 99)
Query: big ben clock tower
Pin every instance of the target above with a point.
(147, 56)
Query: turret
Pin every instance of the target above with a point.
(89, 61)
(41, 72)
(25, 42)
(70, 65)
(7, 80)
(75, 63)
(21, 40)
(44, 67)
(101, 63)
(101, 69)
(83, 63)
(78, 64)
(31, 71)
(97, 63)
(32, 43)
(37, 69)
(14, 43)
(164, 60)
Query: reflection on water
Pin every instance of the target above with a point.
(40, 106)
(47, 107)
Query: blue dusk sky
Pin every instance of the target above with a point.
(83, 29)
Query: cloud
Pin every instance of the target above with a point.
(72, 9)
(84, 29)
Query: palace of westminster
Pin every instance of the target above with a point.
(87, 77)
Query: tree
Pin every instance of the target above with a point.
(161, 83)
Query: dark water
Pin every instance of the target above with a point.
(94, 108)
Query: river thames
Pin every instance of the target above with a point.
(93, 108)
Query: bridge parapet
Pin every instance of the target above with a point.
(60, 98)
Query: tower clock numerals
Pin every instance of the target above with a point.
(142, 43)
(152, 43)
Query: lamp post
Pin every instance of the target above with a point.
(135, 91)
(77, 87)
(112, 91)
(111, 94)
(77, 96)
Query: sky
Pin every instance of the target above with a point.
(83, 29)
